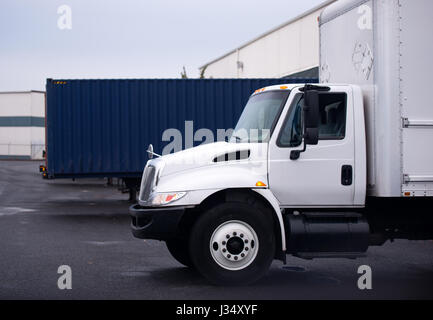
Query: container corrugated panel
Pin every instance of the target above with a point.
(101, 128)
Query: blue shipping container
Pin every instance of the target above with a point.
(101, 128)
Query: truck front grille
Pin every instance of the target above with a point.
(147, 183)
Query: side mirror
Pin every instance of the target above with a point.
(311, 121)
(150, 151)
(311, 136)
(311, 117)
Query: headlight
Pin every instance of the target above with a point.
(160, 199)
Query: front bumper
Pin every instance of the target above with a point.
(155, 223)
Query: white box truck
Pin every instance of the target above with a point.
(314, 171)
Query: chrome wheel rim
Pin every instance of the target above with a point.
(234, 245)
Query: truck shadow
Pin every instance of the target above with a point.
(280, 284)
(276, 277)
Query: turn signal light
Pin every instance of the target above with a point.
(165, 198)
(260, 184)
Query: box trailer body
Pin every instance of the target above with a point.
(101, 128)
(383, 46)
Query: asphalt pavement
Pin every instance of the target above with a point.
(85, 224)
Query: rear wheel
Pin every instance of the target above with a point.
(178, 247)
(233, 243)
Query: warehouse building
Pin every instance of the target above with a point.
(289, 50)
(22, 125)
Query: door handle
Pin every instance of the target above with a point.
(346, 175)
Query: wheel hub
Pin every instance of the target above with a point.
(234, 245)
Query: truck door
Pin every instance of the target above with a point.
(324, 173)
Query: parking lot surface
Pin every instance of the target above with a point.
(85, 225)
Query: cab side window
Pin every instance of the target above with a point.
(333, 110)
(332, 116)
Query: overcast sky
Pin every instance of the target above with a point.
(127, 38)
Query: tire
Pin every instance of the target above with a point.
(222, 221)
(178, 248)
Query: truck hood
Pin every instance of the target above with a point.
(214, 166)
(213, 154)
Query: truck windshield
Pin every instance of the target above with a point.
(259, 117)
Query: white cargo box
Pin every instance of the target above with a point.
(386, 47)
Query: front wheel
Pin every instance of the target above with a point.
(233, 243)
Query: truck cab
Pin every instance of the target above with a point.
(229, 208)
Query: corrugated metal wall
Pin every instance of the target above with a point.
(103, 127)
(290, 48)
